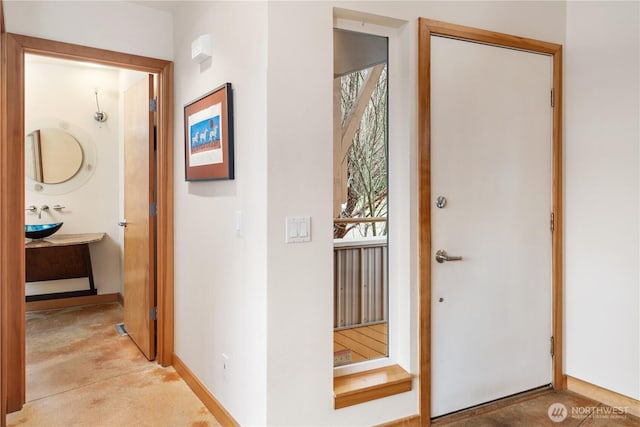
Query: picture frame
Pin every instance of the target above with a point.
(208, 136)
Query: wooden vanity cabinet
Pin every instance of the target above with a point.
(64, 256)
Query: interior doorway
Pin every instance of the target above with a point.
(89, 198)
(12, 196)
(428, 203)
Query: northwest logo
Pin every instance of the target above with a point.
(557, 412)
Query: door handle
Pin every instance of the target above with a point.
(442, 256)
(122, 223)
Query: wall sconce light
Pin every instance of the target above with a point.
(99, 116)
(201, 48)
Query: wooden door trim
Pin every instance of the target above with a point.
(12, 306)
(427, 28)
(3, 295)
(12, 273)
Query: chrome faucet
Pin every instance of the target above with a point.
(42, 208)
(36, 210)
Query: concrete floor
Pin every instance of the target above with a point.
(80, 372)
(534, 411)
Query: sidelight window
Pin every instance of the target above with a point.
(360, 197)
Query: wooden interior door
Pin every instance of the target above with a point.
(139, 231)
(491, 180)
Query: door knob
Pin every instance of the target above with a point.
(442, 256)
(122, 223)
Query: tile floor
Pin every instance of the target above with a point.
(80, 372)
(534, 412)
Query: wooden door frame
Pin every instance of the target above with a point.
(3, 311)
(12, 197)
(426, 29)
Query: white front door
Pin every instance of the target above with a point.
(491, 162)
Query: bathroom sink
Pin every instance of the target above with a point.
(40, 231)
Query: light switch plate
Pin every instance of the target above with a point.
(239, 224)
(297, 229)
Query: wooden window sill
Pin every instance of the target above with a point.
(370, 385)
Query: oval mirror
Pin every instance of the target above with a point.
(53, 156)
(59, 157)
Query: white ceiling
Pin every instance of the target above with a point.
(166, 5)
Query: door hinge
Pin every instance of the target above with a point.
(153, 313)
(153, 105)
(551, 351)
(553, 98)
(153, 209)
(552, 222)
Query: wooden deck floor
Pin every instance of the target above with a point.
(358, 344)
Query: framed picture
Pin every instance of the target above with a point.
(208, 136)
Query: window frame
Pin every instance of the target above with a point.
(400, 350)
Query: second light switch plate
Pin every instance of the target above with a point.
(297, 229)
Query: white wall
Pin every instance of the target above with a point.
(61, 93)
(602, 309)
(300, 305)
(114, 25)
(220, 278)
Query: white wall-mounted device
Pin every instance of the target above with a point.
(201, 48)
